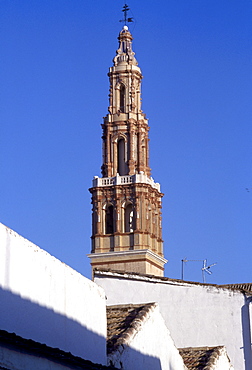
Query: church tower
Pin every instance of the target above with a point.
(126, 214)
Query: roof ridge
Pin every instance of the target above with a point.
(214, 357)
(125, 336)
(245, 287)
(204, 358)
(201, 347)
(127, 305)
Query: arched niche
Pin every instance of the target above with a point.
(129, 218)
(122, 99)
(121, 157)
(109, 219)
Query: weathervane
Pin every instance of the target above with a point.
(125, 10)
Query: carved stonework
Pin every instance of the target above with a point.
(126, 200)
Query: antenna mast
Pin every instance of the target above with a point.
(204, 269)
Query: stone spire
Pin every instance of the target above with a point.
(126, 120)
(124, 53)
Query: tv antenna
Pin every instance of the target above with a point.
(204, 269)
(126, 19)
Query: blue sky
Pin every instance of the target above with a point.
(197, 91)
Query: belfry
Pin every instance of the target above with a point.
(126, 214)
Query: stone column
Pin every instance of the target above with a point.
(131, 147)
(114, 148)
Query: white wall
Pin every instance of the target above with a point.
(150, 347)
(223, 363)
(196, 315)
(45, 300)
(13, 360)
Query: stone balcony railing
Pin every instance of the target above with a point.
(121, 180)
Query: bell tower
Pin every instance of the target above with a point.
(126, 214)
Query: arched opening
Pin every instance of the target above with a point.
(121, 166)
(122, 98)
(109, 220)
(95, 221)
(129, 219)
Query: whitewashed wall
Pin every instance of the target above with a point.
(196, 315)
(223, 363)
(151, 347)
(13, 360)
(47, 301)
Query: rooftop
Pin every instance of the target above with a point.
(123, 321)
(33, 348)
(244, 287)
(241, 287)
(200, 358)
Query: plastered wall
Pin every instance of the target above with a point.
(196, 315)
(45, 300)
(151, 347)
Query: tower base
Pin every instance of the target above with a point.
(142, 261)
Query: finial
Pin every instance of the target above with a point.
(125, 20)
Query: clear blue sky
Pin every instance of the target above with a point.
(197, 90)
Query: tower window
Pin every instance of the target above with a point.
(109, 220)
(122, 98)
(121, 165)
(129, 219)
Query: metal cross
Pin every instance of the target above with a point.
(125, 10)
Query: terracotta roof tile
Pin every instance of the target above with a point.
(200, 358)
(245, 287)
(123, 321)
